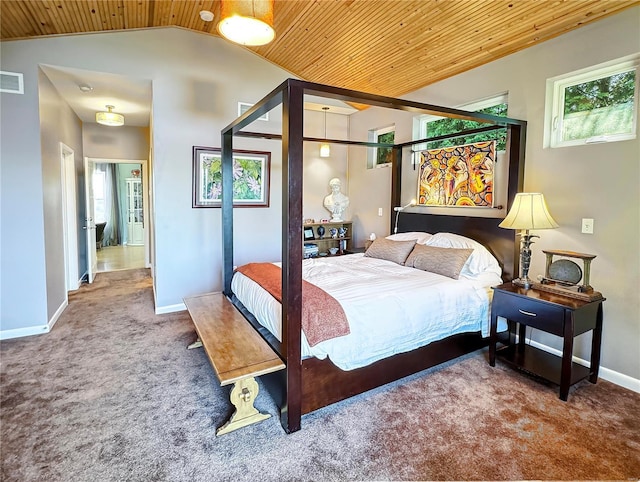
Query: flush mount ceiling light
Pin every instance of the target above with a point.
(247, 22)
(109, 118)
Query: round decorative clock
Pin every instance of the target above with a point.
(566, 271)
(565, 277)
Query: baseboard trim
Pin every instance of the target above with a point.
(34, 330)
(22, 332)
(605, 373)
(57, 314)
(161, 310)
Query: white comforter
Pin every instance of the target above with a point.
(391, 308)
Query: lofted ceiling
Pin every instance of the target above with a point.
(387, 47)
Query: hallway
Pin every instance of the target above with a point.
(114, 258)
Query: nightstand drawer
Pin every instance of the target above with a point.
(530, 312)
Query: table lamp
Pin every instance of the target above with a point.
(528, 211)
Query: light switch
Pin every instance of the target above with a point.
(379, 211)
(587, 226)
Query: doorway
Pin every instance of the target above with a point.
(120, 206)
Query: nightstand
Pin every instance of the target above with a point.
(553, 313)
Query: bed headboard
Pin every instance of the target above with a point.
(499, 241)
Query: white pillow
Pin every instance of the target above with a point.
(480, 261)
(420, 237)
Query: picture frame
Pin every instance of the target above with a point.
(308, 234)
(251, 178)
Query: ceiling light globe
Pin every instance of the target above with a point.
(246, 31)
(109, 118)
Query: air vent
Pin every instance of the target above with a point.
(11, 82)
(244, 107)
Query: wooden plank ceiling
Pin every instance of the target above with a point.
(388, 47)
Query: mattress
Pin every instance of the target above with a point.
(390, 308)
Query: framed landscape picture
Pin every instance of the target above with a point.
(250, 178)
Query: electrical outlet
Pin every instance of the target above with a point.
(587, 226)
(379, 211)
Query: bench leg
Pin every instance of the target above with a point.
(243, 394)
(195, 344)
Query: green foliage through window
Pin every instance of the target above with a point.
(447, 125)
(385, 154)
(600, 107)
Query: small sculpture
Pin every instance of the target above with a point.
(342, 232)
(336, 202)
(334, 233)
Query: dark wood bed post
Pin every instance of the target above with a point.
(227, 211)
(396, 181)
(516, 134)
(292, 187)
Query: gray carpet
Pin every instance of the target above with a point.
(112, 394)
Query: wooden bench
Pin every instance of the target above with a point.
(236, 351)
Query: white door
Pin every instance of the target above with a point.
(90, 224)
(69, 216)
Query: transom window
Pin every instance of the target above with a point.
(381, 156)
(432, 126)
(598, 105)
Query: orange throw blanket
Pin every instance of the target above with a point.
(322, 315)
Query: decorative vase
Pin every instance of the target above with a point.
(334, 233)
(320, 232)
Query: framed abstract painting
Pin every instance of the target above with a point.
(457, 176)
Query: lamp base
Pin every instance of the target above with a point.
(526, 283)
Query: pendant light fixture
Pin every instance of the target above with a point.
(325, 148)
(109, 118)
(247, 22)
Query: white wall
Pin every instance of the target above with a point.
(596, 181)
(318, 171)
(126, 142)
(23, 296)
(58, 123)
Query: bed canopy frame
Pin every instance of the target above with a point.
(309, 384)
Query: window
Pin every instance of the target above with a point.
(431, 126)
(99, 202)
(598, 105)
(381, 156)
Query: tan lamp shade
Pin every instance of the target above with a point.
(247, 22)
(529, 211)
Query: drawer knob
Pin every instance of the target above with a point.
(528, 313)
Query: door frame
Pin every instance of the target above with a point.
(89, 223)
(69, 217)
(144, 175)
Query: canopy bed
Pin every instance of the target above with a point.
(309, 382)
